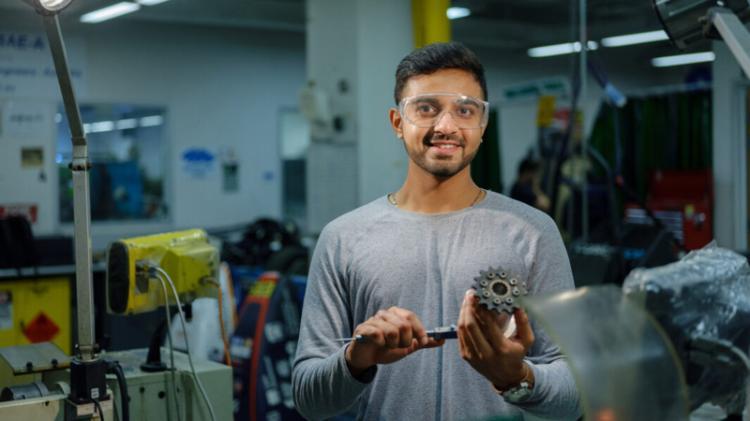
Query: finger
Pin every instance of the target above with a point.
(402, 325)
(474, 338)
(493, 329)
(463, 346)
(433, 343)
(389, 331)
(418, 330)
(524, 332)
(372, 331)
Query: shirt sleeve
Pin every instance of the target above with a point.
(555, 394)
(322, 384)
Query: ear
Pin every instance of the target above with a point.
(395, 117)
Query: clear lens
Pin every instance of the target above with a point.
(54, 5)
(426, 110)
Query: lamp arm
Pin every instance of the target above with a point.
(734, 33)
(81, 207)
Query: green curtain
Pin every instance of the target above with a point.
(667, 132)
(486, 167)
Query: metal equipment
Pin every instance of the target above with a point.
(187, 256)
(165, 395)
(87, 373)
(676, 337)
(499, 290)
(688, 21)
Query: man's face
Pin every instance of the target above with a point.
(443, 149)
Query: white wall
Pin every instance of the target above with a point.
(222, 89)
(346, 41)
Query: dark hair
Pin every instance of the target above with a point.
(433, 57)
(528, 165)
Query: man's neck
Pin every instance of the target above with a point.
(425, 193)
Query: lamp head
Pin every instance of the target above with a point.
(685, 21)
(49, 7)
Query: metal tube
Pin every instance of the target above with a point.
(735, 35)
(583, 69)
(81, 206)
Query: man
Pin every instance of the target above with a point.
(526, 188)
(406, 262)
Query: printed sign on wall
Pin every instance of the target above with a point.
(198, 162)
(26, 68)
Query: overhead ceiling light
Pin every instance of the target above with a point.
(126, 123)
(457, 12)
(631, 39)
(151, 2)
(110, 12)
(559, 49)
(151, 121)
(681, 59)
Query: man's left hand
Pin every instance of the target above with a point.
(484, 346)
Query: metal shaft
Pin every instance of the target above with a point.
(583, 68)
(735, 35)
(81, 206)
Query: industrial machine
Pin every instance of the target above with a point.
(141, 274)
(689, 21)
(41, 382)
(674, 338)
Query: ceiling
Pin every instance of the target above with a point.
(498, 24)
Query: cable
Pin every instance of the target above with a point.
(115, 368)
(187, 344)
(99, 408)
(171, 346)
(227, 357)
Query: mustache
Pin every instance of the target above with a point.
(430, 137)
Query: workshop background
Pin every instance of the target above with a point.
(259, 121)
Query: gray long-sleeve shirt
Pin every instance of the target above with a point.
(379, 256)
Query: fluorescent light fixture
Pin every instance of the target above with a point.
(110, 12)
(58, 118)
(457, 12)
(127, 123)
(631, 39)
(101, 126)
(153, 120)
(559, 49)
(151, 2)
(681, 59)
(53, 5)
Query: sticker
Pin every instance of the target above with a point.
(29, 210)
(41, 329)
(6, 310)
(198, 162)
(32, 157)
(231, 179)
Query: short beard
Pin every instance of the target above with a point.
(442, 172)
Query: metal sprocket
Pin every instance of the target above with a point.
(498, 290)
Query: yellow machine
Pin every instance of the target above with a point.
(187, 256)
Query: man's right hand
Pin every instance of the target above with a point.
(390, 335)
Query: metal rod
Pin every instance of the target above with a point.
(81, 206)
(735, 35)
(445, 332)
(583, 69)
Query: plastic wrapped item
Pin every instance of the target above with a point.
(703, 304)
(624, 365)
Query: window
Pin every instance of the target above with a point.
(127, 150)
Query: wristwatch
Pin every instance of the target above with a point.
(518, 393)
(521, 391)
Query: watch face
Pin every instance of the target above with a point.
(518, 393)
